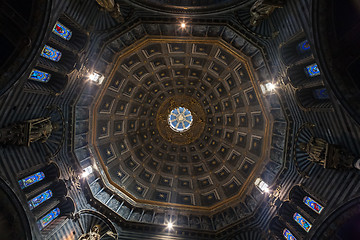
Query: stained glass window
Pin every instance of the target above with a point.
(51, 53)
(48, 218)
(311, 203)
(180, 119)
(304, 46)
(312, 70)
(302, 222)
(288, 235)
(40, 76)
(39, 199)
(30, 180)
(62, 31)
(321, 93)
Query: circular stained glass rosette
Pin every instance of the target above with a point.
(180, 119)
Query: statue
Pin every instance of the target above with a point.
(40, 129)
(329, 155)
(113, 8)
(28, 132)
(262, 9)
(94, 234)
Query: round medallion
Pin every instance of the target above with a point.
(176, 115)
(180, 119)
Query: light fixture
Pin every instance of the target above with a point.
(96, 77)
(87, 171)
(183, 25)
(169, 226)
(268, 87)
(262, 186)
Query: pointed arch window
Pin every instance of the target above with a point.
(302, 222)
(48, 218)
(30, 180)
(288, 235)
(311, 203)
(62, 31)
(312, 70)
(303, 47)
(39, 199)
(51, 53)
(39, 76)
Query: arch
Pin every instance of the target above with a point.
(65, 64)
(297, 195)
(55, 84)
(41, 177)
(52, 219)
(337, 50)
(277, 228)
(305, 74)
(339, 222)
(289, 214)
(14, 223)
(296, 49)
(78, 39)
(20, 37)
(313, 98)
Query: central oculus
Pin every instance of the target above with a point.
(180, 119)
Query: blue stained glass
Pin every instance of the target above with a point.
(302, 222)
(321, 93)
(40, 76)
(30, 180)
(288, 235)
(311, 203)
(48, 218)
(304, 46)
(312, 70)
(39, 199)
(62, 31)
(180, 119)
(51, 53)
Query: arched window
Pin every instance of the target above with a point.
(62, 31)
(288, 235)
(302, 222)
(312, 70)
(48, 218)
(311, 203)
(39, 199)
(303, 47)
(51, 53)
(321, 94)
(30, 180)
(39, 76)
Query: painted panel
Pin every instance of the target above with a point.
(48, 218)
(40, 76)
(30, 180)
(288, 235)
(51, 53)
(302, 222)
(39, 199)
(311, 203)
(62, 31)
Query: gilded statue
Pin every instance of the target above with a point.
(329, 155)
(27, 132)
(262, 9)
(113, 8)
(94, 234)
(40, 129)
